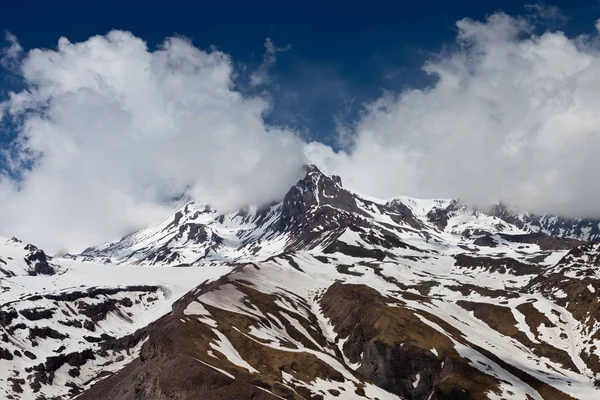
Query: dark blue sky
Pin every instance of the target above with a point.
(342, 53)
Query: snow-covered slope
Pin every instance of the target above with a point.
(19, 259)
(64, 324)
(315, 211)
(328, 294)
(554, 225)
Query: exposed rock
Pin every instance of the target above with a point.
(38, 262)
(7, 316)
(45, 332)
(35, 314)
(501, 265)
(5, 354)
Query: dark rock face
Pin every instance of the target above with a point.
(75, 323)
(45, 332)
(44, 373)
(89, 325)
(36, 314)
(94, 292)
(13, 328)
(301, 210)
(439, 216)
(317, 210)
(17, 384)
(6, 273)
(337, 179)
(97, 311)
(7, 316)
(404, 213)
(502, 265)
(354, 251)
(394, 345)
(315, 189)
(5, 354)
(546, 242)
(388, 367)
(104, 337)
(60, 349)
(485, 241)
(38, 262)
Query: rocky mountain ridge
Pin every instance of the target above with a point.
(197, 233)
(326, 295)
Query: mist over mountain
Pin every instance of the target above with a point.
(108, 129)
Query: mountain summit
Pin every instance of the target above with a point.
(327, 294)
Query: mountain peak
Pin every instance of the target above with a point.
(314, 190)
(311, 168)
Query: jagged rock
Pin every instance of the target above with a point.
(38, 261)
(6, 317)
(5, 354)
(35, 314)
(89, 325)
(45, 332)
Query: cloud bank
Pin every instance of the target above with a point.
(513, 117)
(109, 132)
(114, 131)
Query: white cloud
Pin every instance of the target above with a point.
(116, 129)
(513, 117)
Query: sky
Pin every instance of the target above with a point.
(110, 111)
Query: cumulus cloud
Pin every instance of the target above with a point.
(513, 117)
(109, 131)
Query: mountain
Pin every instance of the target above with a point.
(65, 324)
(328, 294)
(553, 225)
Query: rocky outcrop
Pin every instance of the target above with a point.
(38, 261)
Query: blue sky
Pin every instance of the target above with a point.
(341, 53)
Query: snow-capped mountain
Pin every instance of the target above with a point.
(313, 213)
(328, 294)
(65, 324)
(576, 228)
